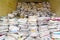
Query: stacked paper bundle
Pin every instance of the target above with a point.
(24, 31)
(13, 25)
(55, 28)
(11, 36)
(3, 25)
(43, 20)
(12, 30)
(43, 28)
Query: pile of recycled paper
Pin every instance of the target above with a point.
(32, 28)
(24, 10)
(31, 21)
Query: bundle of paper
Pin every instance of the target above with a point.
(22, 21)
(55, 34)
(24, 32)
(32, 20)
(12, 21)
(11, 36)
(3, 25)
(43, 20)
(13, 29)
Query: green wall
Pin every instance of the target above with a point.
(7, 6)
(55, 5)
